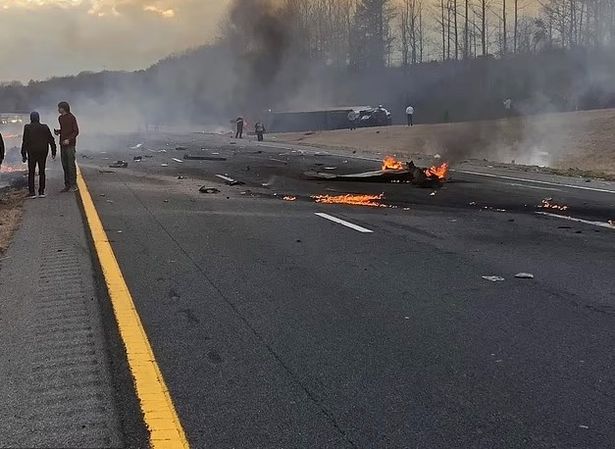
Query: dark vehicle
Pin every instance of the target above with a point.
(375, 117)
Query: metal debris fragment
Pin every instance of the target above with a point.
(119, 164)
(205, 189)
(228, 180)
(524, 276)
(493, 278)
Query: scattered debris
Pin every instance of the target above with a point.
(493, 278)
(229, 181)
(102, 172)
(393, 170)
(524, 276)
(433, 193)
(85, 156)
(119, 164)
(181, 177)
(437, 156)
(330, 168)
(583, 426)
(181, 148)
(199, 157)
(137, 158)
(164, 165)
(548, 203)
(612, 222)
(206, 189)
(137, 146)
(179, 161)
(290, 198)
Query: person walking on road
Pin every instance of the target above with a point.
(239, 133)
(410, 115)
(68, 132)
(37, 139)
(1, 150)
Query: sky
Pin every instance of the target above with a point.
(44, 38)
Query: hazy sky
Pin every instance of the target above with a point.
(43, 38)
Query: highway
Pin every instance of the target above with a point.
(279, 322)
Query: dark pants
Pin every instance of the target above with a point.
(239, 133)
(69, 166)
(36, 160)
(410, 122)
(260, 136)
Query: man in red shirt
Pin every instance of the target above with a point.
(68, 132)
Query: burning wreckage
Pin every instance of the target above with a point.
(393, 171)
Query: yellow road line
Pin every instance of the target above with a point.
(159, 412)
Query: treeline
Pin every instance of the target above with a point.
(403, 32)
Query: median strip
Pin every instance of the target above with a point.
(159, 412)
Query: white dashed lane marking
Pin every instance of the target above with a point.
(344, 223)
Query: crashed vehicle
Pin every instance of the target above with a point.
(375, 117)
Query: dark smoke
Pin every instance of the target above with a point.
(269, 60)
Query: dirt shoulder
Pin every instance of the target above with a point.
(576, 143)
(11, 211)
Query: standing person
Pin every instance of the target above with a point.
(410, 115)
(68, 132)
(259, 129)
(239, 133)
(37, 139)
(507, 107)
(1, 150)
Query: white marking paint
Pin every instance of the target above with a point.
(533, 187)
(344, 223)
(535, 181)
(601, 224)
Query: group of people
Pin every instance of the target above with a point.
(38, 140)
(259, 129)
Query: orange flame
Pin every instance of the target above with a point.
(355, 200)
(390, 163)
(440, 172)
(548, 203)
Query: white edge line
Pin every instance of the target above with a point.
(344, 223)
(578, 220)
(526, 186)
(535, 181)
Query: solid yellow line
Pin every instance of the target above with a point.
(159, 412)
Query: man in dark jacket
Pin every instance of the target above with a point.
(68, 132)
(1, 150)
(37, 139)
(239, 123)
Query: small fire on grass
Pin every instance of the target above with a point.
(355, 200)
(548, 203)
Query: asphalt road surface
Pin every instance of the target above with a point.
(364, 327)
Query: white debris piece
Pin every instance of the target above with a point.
(179, 161)
(493, 278)
(524, 276)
